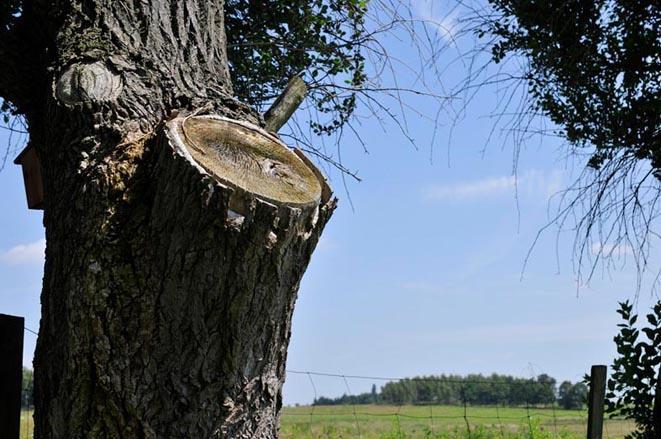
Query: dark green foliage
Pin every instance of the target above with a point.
(363, 398)
(8, 10)
(455, 390)
(27, 391)
(269, 41)
(594, 67)
(572, 396)
(635, 372)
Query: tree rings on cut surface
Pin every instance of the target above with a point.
(248, 159)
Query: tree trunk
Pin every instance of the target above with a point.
(169, 287)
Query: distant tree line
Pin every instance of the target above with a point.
(445, 389)
(472, 389)
(362, 398)
(27, 391)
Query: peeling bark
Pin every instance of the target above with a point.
(164, 314)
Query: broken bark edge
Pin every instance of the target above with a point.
(326, 191)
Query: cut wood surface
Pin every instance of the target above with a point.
(248, 159)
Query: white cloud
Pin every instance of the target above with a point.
(472, 189)
(532, 182)
(21, 254)
(446, 24)
(585, 329)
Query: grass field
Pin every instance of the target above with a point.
(394, 422)
(26, 424)
(443, 422)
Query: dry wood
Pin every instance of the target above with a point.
(248, 159)
(596, 402)
(286, 104)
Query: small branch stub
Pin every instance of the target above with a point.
(283, 108)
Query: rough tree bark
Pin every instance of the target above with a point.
(168, 290)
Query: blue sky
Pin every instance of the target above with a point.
(426, 274)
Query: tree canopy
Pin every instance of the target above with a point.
(8, 9)
(271, 41)
(593, 68)
(572, 396)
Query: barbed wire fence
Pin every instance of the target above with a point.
(429, 418)
(435, 418)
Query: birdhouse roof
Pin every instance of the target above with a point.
(19, 158)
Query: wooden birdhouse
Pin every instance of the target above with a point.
(34, 187)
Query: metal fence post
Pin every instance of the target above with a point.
(596, 402)
(11, 375)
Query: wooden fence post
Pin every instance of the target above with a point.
(596, 402)
(11, 375)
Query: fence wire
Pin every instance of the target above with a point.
(461, 419)
(522, 421)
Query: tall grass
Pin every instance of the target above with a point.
(439, 422)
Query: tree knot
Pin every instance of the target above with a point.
(88, 82)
